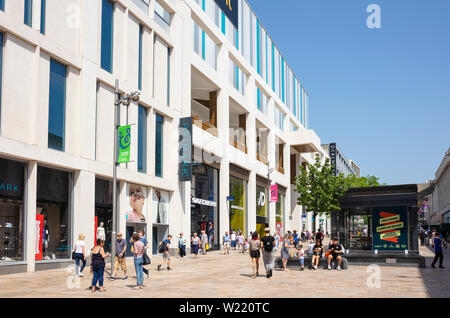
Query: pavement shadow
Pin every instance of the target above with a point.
(436, 280)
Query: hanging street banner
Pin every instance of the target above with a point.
(390, 228)
(274, 193)
(185, 149)
(231, 9)
(124, 144)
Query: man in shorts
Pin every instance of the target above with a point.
(336, 253)
(226, 243)
(121, 247)
(166, 252)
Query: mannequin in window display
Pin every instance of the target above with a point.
(137, 201)
(162, 212)
(45, 239)
(101, 232)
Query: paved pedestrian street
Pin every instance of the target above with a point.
(229, 276)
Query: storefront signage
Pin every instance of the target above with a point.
(274, 193)
(204, 202)
(333, 157)
(124, 144)
(390, 230)
(230, 9)
(185, 150)
(230, 198)
(38, 236)
(261, 199)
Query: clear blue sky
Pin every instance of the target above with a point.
(382, 94)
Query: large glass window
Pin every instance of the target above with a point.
(28, 12)
(2, 5)
(43, 11)
(161, 73)
(53, 210)
(161, 200)
(103, 211)
(57, 106)
(142, 139)
(279, 215)
(11, 210)
(107, 35)
(262, 209)
(204, 201)
(359, 225)
(159, 146)
(161, 13)
(238, 207)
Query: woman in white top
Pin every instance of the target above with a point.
(79, 251)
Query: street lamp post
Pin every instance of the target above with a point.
(125, 100)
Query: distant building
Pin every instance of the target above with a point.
(343, 165)
(439, 209)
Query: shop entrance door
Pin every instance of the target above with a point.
(160, 233)
(131, 228)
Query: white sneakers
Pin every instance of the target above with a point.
(339, 268)
(329, 267)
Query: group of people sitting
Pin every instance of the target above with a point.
(334, 253)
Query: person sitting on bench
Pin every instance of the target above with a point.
(335, 253)
(317, 253)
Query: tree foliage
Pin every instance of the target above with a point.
(319, 189)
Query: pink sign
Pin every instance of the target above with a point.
(274, 193)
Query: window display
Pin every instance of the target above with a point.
(103, 211)
(204, 201)
(262, 209)
(238, 207)
(11, 210)
(161, 207)
(136, 215)
(53, 205)
(279, 215)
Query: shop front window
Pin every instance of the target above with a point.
(204, 202)
(238, 207)
(103, 211)
(279, 216)
(53, 214)
(11, 210)
(136, 213)
(262, 211)
(359, 229)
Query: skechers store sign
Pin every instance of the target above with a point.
(230, 9)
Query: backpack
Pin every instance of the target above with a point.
(162, 247)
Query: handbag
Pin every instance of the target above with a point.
(73, 254)
(146, 259)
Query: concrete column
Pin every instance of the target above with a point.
(122, 207)
(84, 207)
(30, 215)
(224, 186)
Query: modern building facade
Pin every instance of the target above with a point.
(438, 202)
(343, 165)
(211, 61)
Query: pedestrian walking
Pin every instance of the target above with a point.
(79, 253)
(138, 251)
(195, 241)
(268, 243)
(164, 248)
(182, 245)
(226, 243)
(204, 242)
(240, 242)
(98, 256)
(255, 246)
(285, 252)
(295, 236)
(233, 240)
(120, 260)
(437, 243)
(143, 239)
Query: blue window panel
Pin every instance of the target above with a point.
(273, 67)
(43, 9)
(28, 13)
(203, 45)
(57, 106)
(282, 80)
(141, 33)
(169, 51)
(237, 39)
(258, 51)
(223, 23)
(2, 5)
(142, 139)
(159, 146)
(107, 35)
(267, 64)
(295, 106)
(301, 104)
